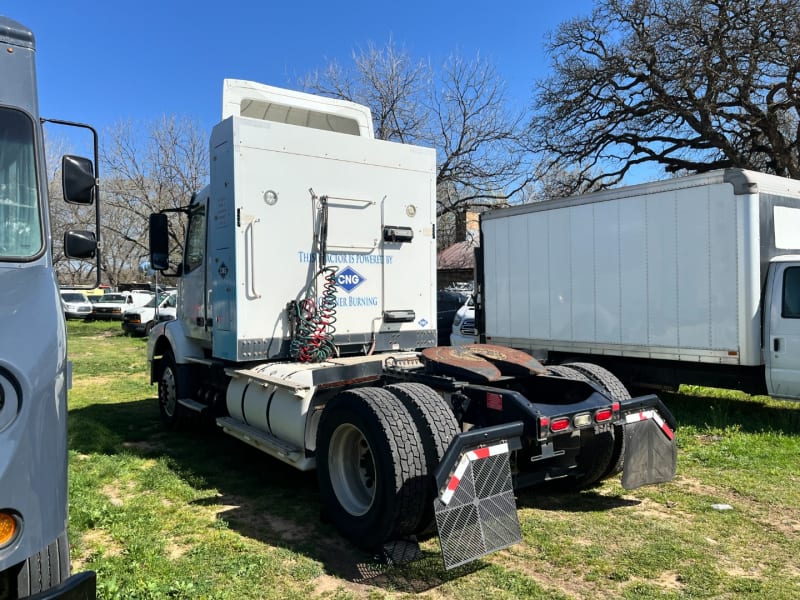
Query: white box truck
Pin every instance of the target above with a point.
(690, 280)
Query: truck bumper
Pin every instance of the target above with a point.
(81, 586)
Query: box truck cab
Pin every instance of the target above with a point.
(690, 280)
(782, 327)
(34, 375)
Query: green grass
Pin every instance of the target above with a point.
(199, 515)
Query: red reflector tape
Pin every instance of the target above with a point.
(651, 414)
(467, 458)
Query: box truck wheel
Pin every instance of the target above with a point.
(45, 569)
(606, 379)
(370, 466)
(437, 426)
(168, 389)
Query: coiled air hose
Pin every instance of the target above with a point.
(313, 321)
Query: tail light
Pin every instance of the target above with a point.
(561, 424)
(603, 415)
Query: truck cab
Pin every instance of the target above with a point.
(782, 327)
(34, 376)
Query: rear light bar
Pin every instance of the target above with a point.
(579, 421)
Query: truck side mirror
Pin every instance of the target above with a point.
(159, 242)
(80, 244)
(77, 179)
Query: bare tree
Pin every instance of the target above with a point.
(690, 85)
(143, 178)
(480, 142)
(461, 110)
(388, 81)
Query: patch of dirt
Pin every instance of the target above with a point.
(328, 585)
(175, 551)
(95, 541)
(117, 496)
(696, 486)
(566, 581)
(669, 580)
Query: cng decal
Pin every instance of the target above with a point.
(349, 279)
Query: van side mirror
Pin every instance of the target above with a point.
(77, 180)
(159, 242)
(80, 244)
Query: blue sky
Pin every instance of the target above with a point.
(105, 62)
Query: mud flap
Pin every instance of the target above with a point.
(476, 512)
(651, 453)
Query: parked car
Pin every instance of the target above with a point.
(112, 306)
(141, 320)
(463, 330)
(76, 304)
(447, 304)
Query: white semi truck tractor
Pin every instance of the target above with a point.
(34, 372)
(306, 327)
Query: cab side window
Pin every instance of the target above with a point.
(791, 293)
(195, 240)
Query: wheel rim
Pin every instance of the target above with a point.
(351, 465)
(166, 392)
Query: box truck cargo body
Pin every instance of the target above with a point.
(690, 280)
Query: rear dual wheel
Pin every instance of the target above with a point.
(437, 426)
(371, 467)
(377, 449)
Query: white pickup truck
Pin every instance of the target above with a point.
(140, 320)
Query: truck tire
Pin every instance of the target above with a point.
(603, 377)
(371, 467)
(597, 456)
(168, 389)
(566, 372)
(437, 426)
(45, 569)
(606, 379)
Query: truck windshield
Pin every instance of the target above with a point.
(20, 225)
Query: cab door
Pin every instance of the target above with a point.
(782, 335)
(194, 288)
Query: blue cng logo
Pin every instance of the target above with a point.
(348, 279)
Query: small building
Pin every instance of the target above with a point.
(456, 264)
